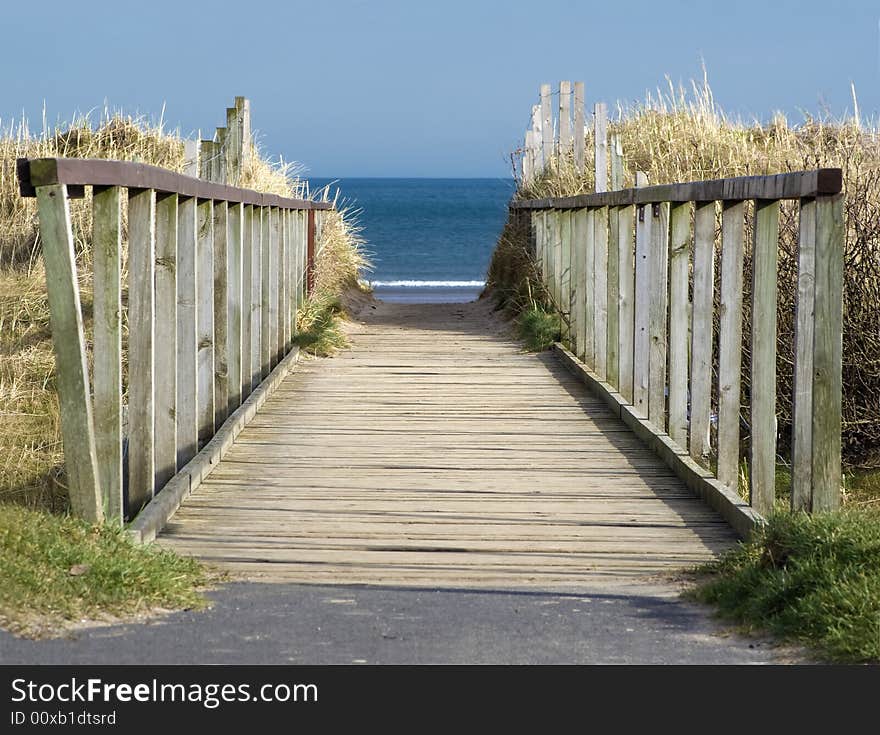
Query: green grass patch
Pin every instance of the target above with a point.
(814, 580)
(538, 329)
(320, 329)
(57, 569)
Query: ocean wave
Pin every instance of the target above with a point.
(429, 284)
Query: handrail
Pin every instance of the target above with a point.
(216, 275)
(795, 185)
(78, 172)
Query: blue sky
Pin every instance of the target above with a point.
(393, 88)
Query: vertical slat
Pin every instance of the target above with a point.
(310, 252)
(68, 339)
(564, 120)
(589, 334)
(297, 258)
(545, 248)
(658, 316)
(205, 308)
(286, 281)
(283, 317)
(578, 132)
(642, 340)
(106, 249)
(730, 342)
(187, 332)
(626, 301)
(268, 313)
(556, 220)
(612, 337)
(762, 466)
(601, 146)
(247, 285)
(221, 313)
(141, 351)
(701, 330)
(234, 311)
(257, 266)
(600, 290)
(546, 124)
(565, 276)
(827, 354)
(617, 170)
(679, 249)
(578, 291)
(166, 339)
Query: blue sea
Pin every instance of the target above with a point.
(429, 239)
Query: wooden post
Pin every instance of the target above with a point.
(680, 240)
(590, 289)
(579, 156)
(642, 340)
(205, 309)
(565, 272)
(310, 252)
(617, 165)
(268, 314)
(106, 249)
(600, 293)
(284, 224)
(206, 160)
(237, 139)
(247, 257)
(166, 339)
(626, 301)
(578, 291)
(730, 342)
(141, 350)
(659, 279)
(257, 266)
(601, 146)
(546, 124)
(221, 305)
(612, 301)
(701, 330)
(235, 219)
(191, 158)
(762, 466)
(77, 425)
(221, 170)
(564, 120)
(187, 332)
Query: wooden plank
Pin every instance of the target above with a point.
(68, 340)
(679, 249)
(703, 308)
(762, 466)
(288, 297)
(556, 281)
(187, 332)
(578, 247)
(641, 310)
(600, 140)
(205, 309)
(579, 154)
(268, 305)
(612, 336)
(221, 313)
(257, 265)
(565, 142)
(827, 354)
(310, 253)
(234, 352)
(141, 349)
(730, 342)
(600, 291)
(106, 249)
(247, 257)
(546, 124)
(626, 301)
(565, 275)
(590, 288)
(166, 339)
(283, 317)
(658, 312)
(617, 164)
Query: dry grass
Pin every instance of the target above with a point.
(31, 459)
(682, 135)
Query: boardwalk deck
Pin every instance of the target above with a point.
(435, 452)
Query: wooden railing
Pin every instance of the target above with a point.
(632, 272)
(216, 275)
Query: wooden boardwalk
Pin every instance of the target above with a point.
(435, 452)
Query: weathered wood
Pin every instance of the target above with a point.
(590, 288)
(578, 310)
(579, 154)
(234, 351)
(730, 342)
(600, 290)
(679, 249)
(268, 305)
(257, 265)
(565, 273)
(68, 340)
(827, 354)
(762, 465)
(658, 307)
(626, 301)
(612, 300)
(617, 164)
(141, 347)
(546, 124)
(283, 317)
(166, 339)
(191, 158)
(106, 250)
(310, 253)
(207, 152)
(221, 169)
(701, 331)
(187, 331)
(565, 143)
(205, 301)
(641, 310)
(221, 313)
(600, 146)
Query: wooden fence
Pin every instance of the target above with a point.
(215, 276)
(632, 272)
